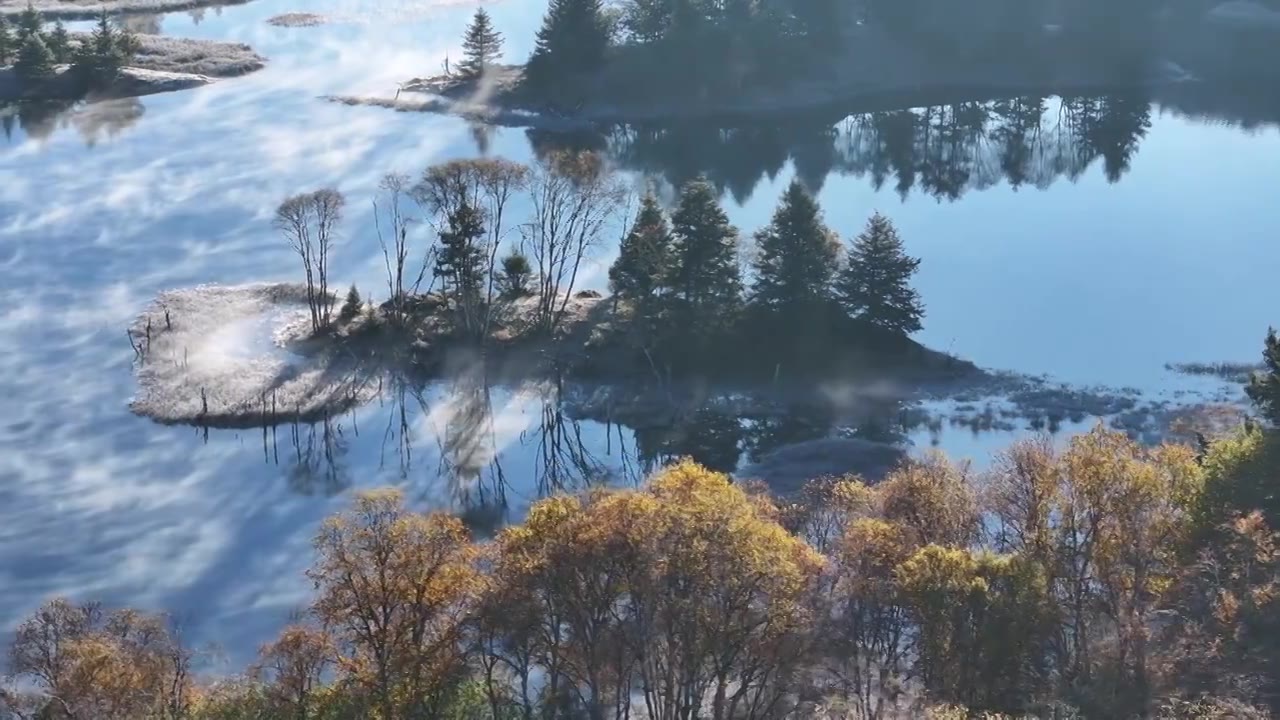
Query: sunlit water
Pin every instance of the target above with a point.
(1086, 280)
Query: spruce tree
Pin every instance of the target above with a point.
(1264, 387)
(8, 45)
(481, 47)
(59, 42)
(460, 263)
(573, 39)
(797, 259)
(29, 23)
(875, 284)
(643, 257)
(100, 58)
(34, 63)
(516, 273)
(704, 279)
(351, 307)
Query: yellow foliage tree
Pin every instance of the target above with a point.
(395, 588)
(933, 499)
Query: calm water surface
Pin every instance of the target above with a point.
(1097, 268)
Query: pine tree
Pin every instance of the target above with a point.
(100, 58)
(643, 257)
(573, 39)
(7, 42)
(875, 285)
(29, 23)
(481, 47)
(34, 63)
(704, 279)
(59, 42)
(516, 273)
(797, 258)
(1264, 387)
(351, 307)
(460, 263)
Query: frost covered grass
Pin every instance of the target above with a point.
(199, 57)
(89, 9)
(297, 19)
(237, 356)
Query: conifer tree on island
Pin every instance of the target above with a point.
(875, 285)
(7, 42)
(34, 63)
(516, 273)
(460, 263)
(59, 42)
(1264, 387)
(351, 307)
(643, 257)
(29, 23)
(481, 47)
(705, 281)
(573, 39)
(797, 258)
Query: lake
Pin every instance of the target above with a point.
(1092, 240)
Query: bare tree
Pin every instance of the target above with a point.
(308, 222)
(486, 185)
(574, 198)
(401, 280)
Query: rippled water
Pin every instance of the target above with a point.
(1094, 276)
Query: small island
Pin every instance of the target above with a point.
(91, 9)
(43, 63)
(693, 303)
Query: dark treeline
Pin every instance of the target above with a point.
(35, 51)
(942, 151)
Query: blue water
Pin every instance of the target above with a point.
(1087, 280)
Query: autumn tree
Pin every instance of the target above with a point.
(933, 501)
(704, 279)
(575, 197)
(1264, 387)
(481, 47)
(796, 262)
(875, 284)
(308, 222)
(395, 588)
(294, 668)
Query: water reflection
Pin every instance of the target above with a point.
(942, 151)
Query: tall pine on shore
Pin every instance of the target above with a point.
(704, 280)
(1264, 386)
(643, 257)
(481, 47)
(572, 40)
(875, 284)
(797, 261)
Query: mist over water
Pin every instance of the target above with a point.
(1090, 239)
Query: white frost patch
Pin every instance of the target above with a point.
(236, 356)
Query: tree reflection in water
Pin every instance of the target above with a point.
(942, 151)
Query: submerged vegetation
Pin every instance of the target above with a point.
(1104, 580)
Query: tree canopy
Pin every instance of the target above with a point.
(875, 284)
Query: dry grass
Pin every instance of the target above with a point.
(297, 19)
(198, 57)
(89, 9)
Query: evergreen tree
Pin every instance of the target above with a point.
(29, 23)
(704, 278)
(643, 257)
(100, 58)
(481, 47)
(516, 273)
(573, 39)
(460, 263)
(351, 307)
(797, 259)
(8, 45)
(34, 63)
(59, 42)
(1264, 387)
(875, 285)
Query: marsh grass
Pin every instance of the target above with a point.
(1238, 372)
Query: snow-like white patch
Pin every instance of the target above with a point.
(238, 355)
(1246, 15)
